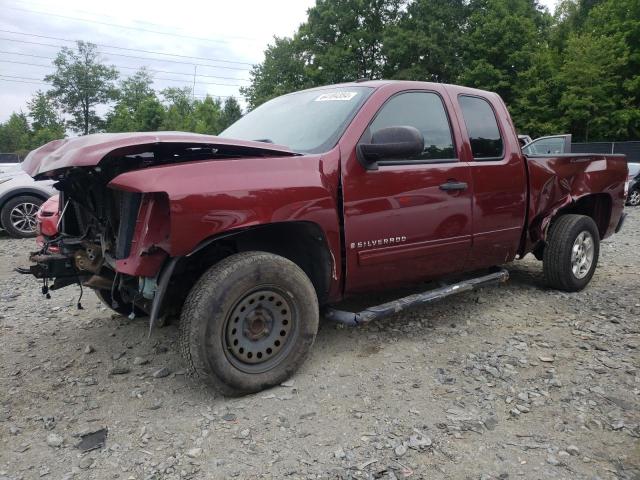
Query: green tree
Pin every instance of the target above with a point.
(590, 86)
(283, 71)
(619, 20)
(538, 90)
(208, 116)
(231, 112)
(80, 83)
(500, 40)
(138, 108)
(46, 123)
(15, 135)
(342, 39)
(427, 43)
(149, 115)
(179, 109)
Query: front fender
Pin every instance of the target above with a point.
(206, 199)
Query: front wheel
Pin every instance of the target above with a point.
(571, 254)
(118, 306)
(249, 322)
(633, 200)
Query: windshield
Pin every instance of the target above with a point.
(310, 121)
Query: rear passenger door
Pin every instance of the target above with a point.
(499, 180)
(402, 221)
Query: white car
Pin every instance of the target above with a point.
(20, 199)
(8, 167)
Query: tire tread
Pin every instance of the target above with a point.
(560, 238)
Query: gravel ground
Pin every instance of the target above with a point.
(510, 382)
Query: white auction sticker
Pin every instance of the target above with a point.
(336, 96)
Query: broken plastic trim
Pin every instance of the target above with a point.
(163, 284)
(384, 310)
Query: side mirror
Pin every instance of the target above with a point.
(390, 142)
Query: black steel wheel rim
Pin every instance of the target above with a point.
(259, 329)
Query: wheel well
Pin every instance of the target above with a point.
(19, 193)
(301, 242)
(596, 206)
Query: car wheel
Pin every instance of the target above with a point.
(571, 254)
(120, 307)
(249, 322)
(633, 200)
(18, 216)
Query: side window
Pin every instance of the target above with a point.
(545, 146)
(424, 111)
(482, 127)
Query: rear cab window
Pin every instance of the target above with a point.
(482, 128)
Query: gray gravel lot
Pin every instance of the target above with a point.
(510, 382)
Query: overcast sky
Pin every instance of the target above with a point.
(228, 36)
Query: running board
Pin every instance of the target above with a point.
(380, 311)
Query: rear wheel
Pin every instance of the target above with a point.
(19, 216)
(571, 254)
(633, 200)
(249, 322)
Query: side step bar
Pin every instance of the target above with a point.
(380, 311)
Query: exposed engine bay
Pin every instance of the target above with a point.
(100, 241)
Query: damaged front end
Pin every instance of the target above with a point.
(113, 237)
(112, 241)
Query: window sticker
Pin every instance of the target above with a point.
(336, 97)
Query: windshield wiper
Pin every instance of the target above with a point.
(264, 140)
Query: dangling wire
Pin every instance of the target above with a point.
(45, 288)
(114, 302)
(132, 315)
(80, 307)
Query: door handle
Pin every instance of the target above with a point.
(449, 186)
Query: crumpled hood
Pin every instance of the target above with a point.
(89, 150)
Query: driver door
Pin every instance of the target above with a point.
(409, 219)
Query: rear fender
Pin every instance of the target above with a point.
(591, 185)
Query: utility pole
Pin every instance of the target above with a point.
(193, 89)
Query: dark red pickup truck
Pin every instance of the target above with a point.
(312, 197)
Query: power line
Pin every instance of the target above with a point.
(22, 79)
(157, 78)
(138, 29)
(43, 83)
(143, 22)
(151, 70)
(121, 48)
(224, 67)
(25, 63)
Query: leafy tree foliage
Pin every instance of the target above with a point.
(46, 122)
(576, 72)
(15, 135)
(427, 43)
(282, 71)
(137, 107)
(230, 113)
(80, 83)
(18, 135)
